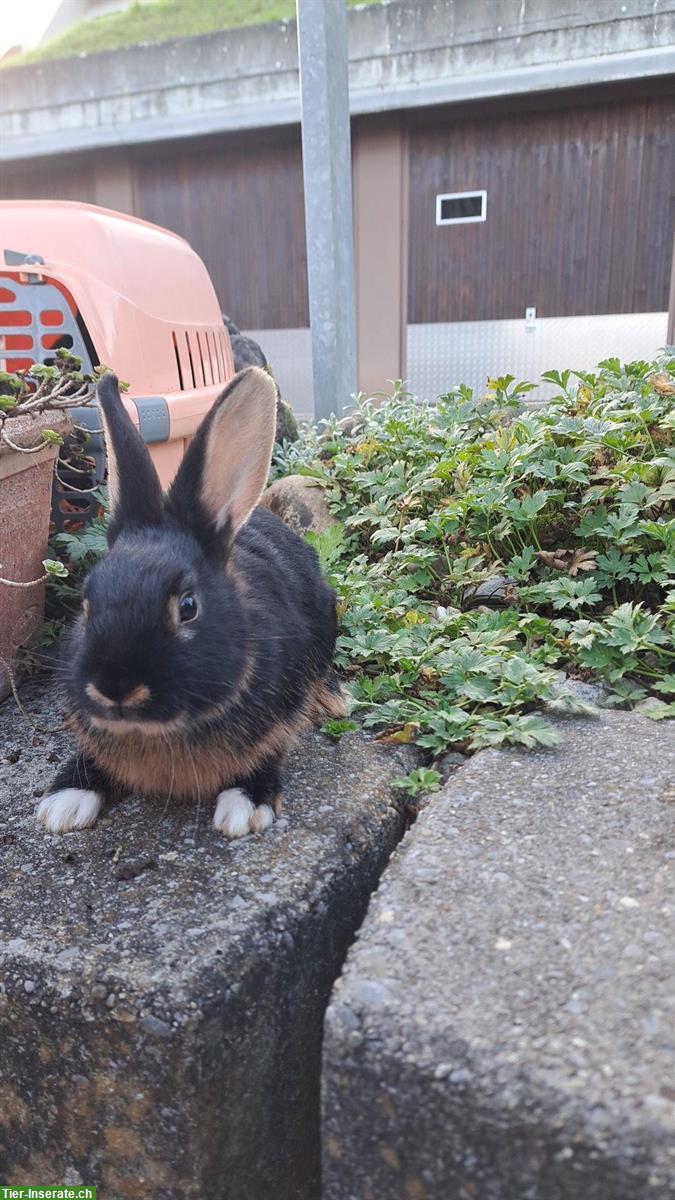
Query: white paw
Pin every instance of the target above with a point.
(236, 815)
(71, 808)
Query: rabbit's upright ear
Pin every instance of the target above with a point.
(225, 469)
(134, 491)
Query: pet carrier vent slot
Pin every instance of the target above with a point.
(219, 357)
(192, 365)
(203, 359)
(213, 365)
(179, 369)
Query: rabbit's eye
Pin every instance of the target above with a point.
(187, 608)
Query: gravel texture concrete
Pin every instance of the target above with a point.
(162, 991)
(505, 1025)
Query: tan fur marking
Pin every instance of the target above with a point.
(184, 769)
(98, 697)
(144, 729)
(325, 703)
(138, 696)
(172, 613)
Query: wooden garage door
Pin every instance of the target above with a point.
(579, 212)
(50, 180)
(239, 202)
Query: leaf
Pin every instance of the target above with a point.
(520, 565)
(424, 779)
(615, 564)
(665, 685)
(534, 731)
(382, 536)
(531, 505)
(655, 710)
(663, 384)
(401, 737)
(571, 561)
(582, 560)
(553, 558)
(328, 545)
(633, 493)
(54, 568)
(54, 439)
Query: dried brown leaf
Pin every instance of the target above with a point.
(582, 560)
(402, 736)
(663, 384)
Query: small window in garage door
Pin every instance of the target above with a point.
(460, 208)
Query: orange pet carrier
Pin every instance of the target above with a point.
(119, 291)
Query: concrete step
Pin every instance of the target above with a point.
(162, 991)
(505, 1025)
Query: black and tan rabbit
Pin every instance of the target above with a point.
(207, 633)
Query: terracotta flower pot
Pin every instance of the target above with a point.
(25, 502)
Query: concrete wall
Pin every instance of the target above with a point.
(403, 54)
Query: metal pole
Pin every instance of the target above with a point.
(670, 335)
(327, 174)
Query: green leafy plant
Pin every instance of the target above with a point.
(486, 551)
(328, 545)
(419, 781)
(76, 552)
(335, 729)
(34, 391)
(39, 388)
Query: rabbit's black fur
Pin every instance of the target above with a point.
(191, 708)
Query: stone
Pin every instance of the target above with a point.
(449, 763)
(164, 1024)
(300, 502)
(498, 591)
(516, 1017)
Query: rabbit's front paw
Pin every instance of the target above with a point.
(70, 808)
(237, 815)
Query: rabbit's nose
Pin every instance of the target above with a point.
(122, 697)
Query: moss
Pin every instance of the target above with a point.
(160, 21)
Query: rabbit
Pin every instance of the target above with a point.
(206, 637)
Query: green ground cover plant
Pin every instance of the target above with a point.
(487, 551)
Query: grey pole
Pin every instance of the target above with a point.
(327, 174)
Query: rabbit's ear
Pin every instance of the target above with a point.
(222, 476)
(134, 491)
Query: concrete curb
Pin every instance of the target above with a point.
(162, 992)
(505, 1025)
